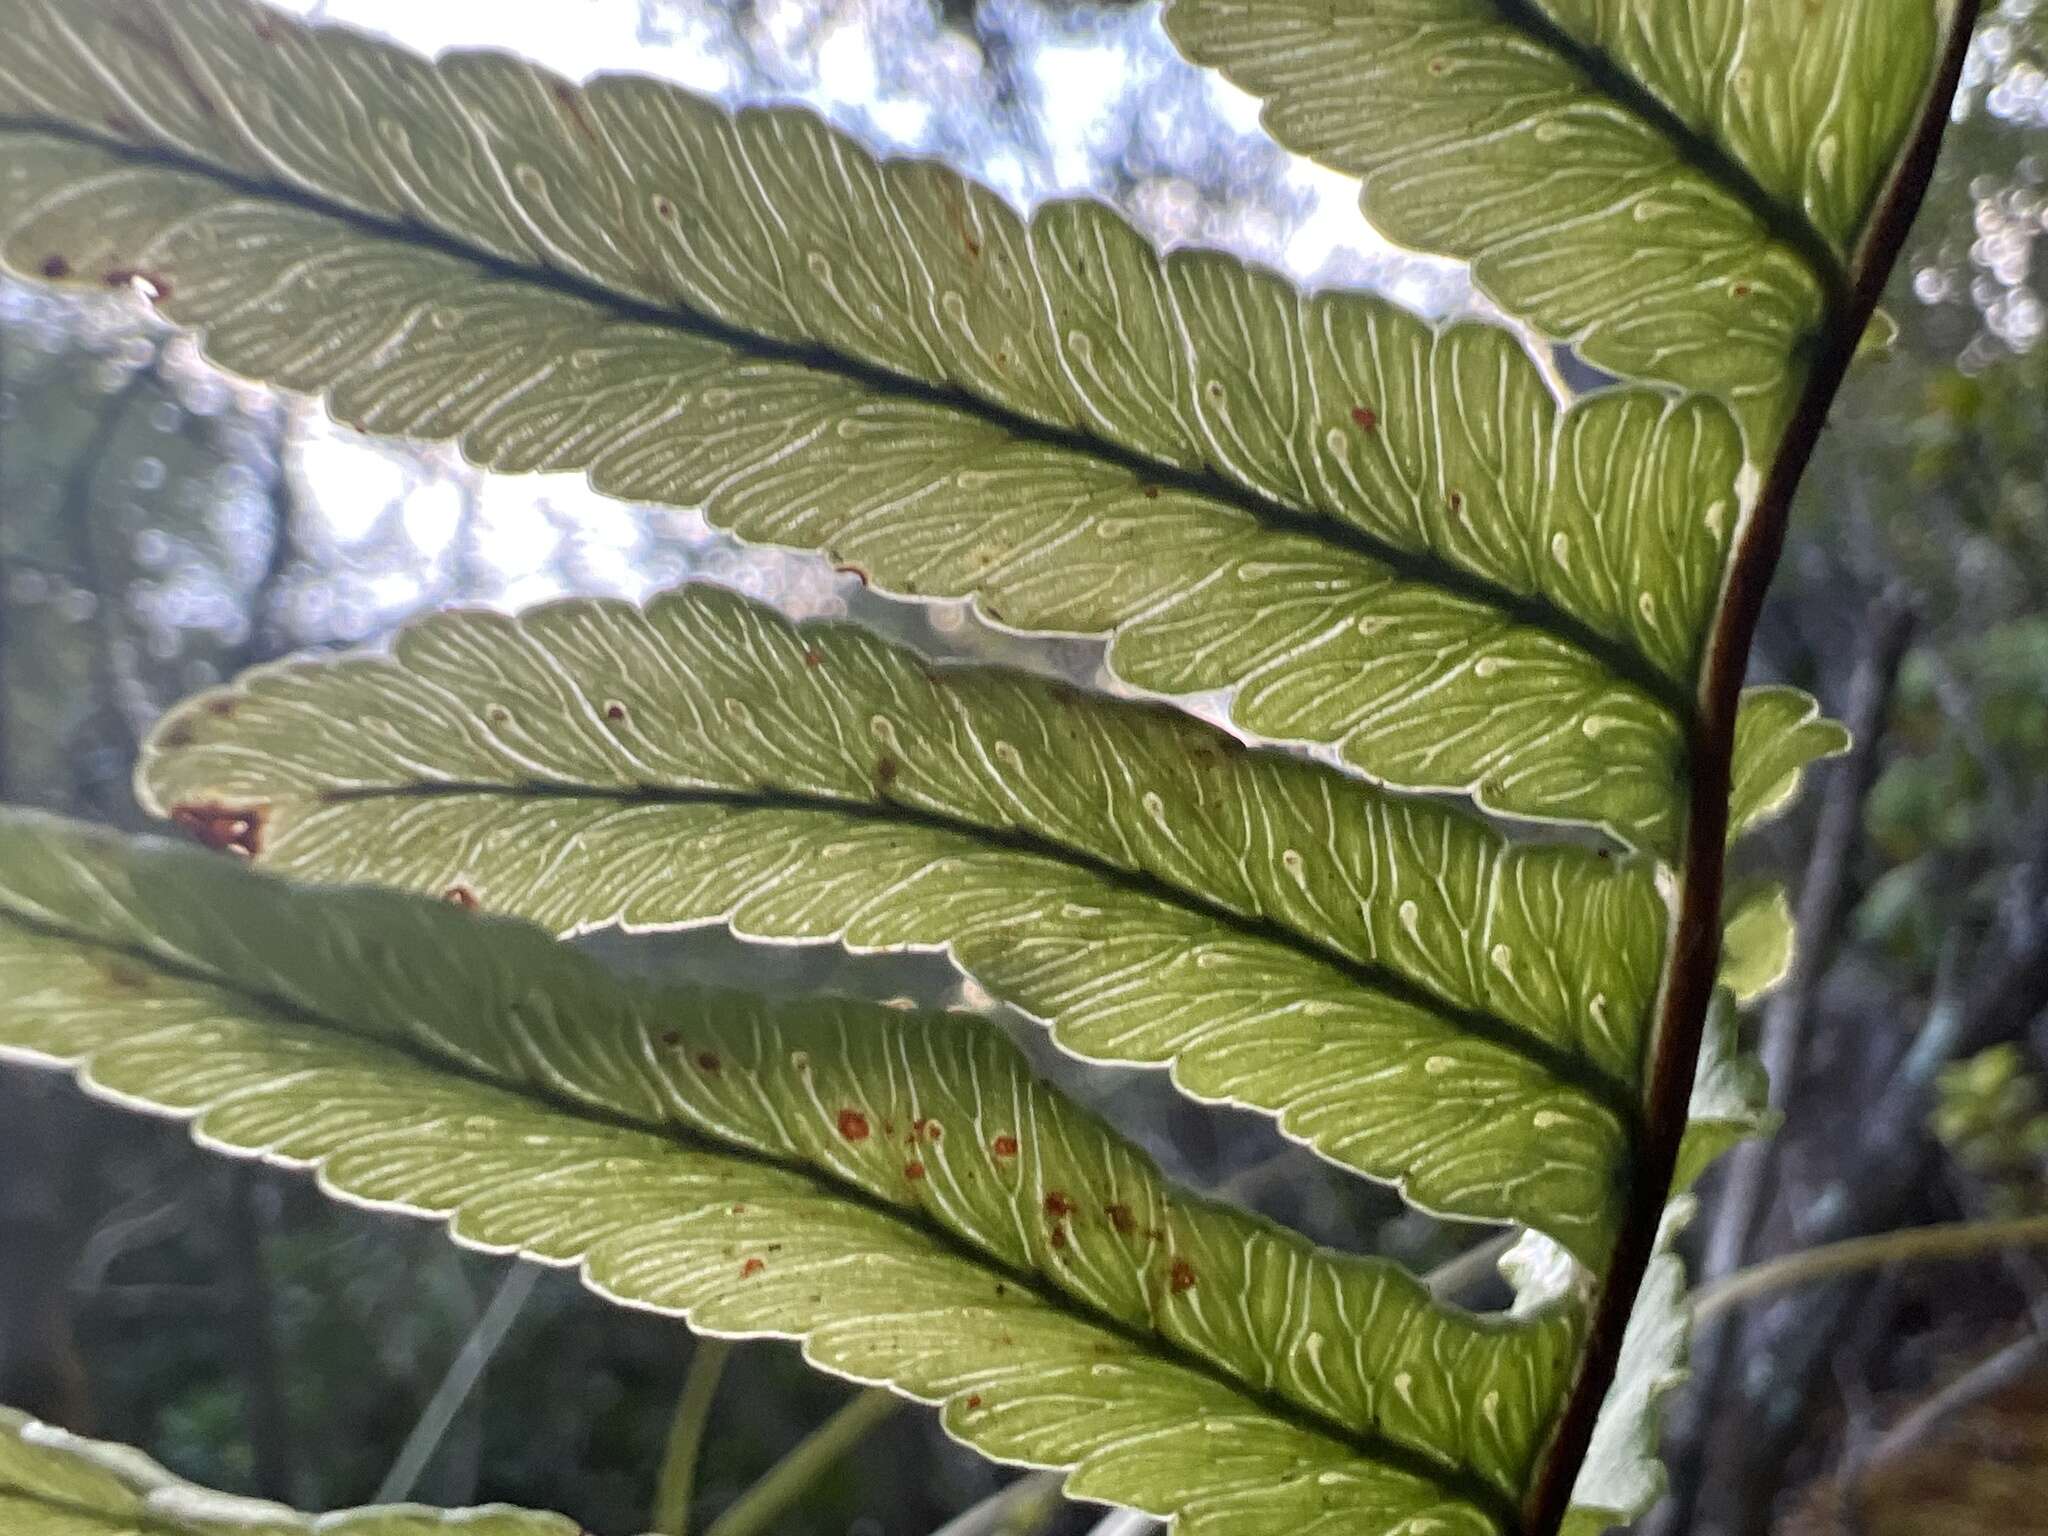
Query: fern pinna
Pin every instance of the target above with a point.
(1469, 945)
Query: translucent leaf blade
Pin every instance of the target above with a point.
(895, 1189)
(1674, 189)
(883, 361)
(1412, 994)
(56, 1484)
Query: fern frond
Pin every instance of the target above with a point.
(1677, 189)
(894, 1189)
(53, 1483)
(1383, 536)
(1413, 994)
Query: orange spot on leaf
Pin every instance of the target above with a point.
(223, 828)
(751, 1268)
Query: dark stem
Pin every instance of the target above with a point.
(1824, 894)
(1696, 926)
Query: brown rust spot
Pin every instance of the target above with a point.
(1151, 493)
(708, 1062)
(615, 712)
(1059, 1237)
(56, 268)
(572, 108)
(1457, 501)
(224, 828)
(1059, 1204)
(814, 657)
(123, 977)
(1121, 1218)
(1367, 418)
(1004, 1146)
(671, 1038)
(460, 896)
(751, 1268)
(974, 1400)
(222, 708)
(1181, 1277)
(178, 734)
(853, 1125)
(886, 769)
(913, 1170)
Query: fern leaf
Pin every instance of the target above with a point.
(1675, 188)
(56, 1484)
(894, 1189)
(1779, 734)
(1384, 537)
(1413, 994)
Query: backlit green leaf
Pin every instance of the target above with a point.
(1384, 537)
(893, 1188)
(56, 1484)
(1676, 187)
(1413, 994)
(1779, 734)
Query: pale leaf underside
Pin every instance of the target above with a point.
(56, 1484)
(893, 1188)
(1383, 537)
(1414, 994)
(1676, 188)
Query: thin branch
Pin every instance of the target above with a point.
(1986, 1379)
(1125, 1522)
(265, 1407)
(757, 1509)
(1946, 1242)
(1460, 1276)
(463, 1374)
(1020, 1506)
(1693, 968)
(678, 1478)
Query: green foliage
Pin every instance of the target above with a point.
(1470, 946)
(894, 1188)
(55, 1484)
(1988, 1110)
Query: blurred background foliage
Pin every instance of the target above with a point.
(162, 527)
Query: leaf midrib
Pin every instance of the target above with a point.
(1458, 1482)
(1783, 219)
(1572, 1071)
(1624, 662)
